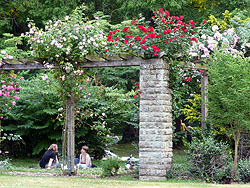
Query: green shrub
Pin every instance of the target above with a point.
(110, 167)
(223, 175)
(207, 158)
(5, 164)
(244, 170)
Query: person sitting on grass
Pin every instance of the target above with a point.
(49, 158)
(84, 159)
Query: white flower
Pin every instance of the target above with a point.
(218, 35)
(44, 77)
(60, 109)
(230, 31)
(66, 18)
(193, 54)
(248, 45)
(201, 46)
(203, 36)
(215, 28)
(3, 52)
(9, 57)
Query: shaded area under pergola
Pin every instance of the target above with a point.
(145, 64)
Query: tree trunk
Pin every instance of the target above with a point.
(236, 140)
(69, 136)
(204, 109)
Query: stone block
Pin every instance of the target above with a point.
(148, 178)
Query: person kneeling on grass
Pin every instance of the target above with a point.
(84, 159)
(49, 158)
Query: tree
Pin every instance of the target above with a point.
(14, 14)
(229, 95)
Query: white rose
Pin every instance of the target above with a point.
(215, 28)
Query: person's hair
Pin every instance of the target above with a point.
(86, 148)
(53, 147)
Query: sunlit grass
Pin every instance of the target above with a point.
(74, 182)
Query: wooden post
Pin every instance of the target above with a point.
(70, 120)
(204, 110)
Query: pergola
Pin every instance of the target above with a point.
(155, 136)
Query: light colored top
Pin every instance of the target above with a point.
(85, 159)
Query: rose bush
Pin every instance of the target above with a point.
(65, 43)
(231, 34)
(169, 36)
(9, 90)
(68, 40)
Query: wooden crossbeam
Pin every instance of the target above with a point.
(125, 61)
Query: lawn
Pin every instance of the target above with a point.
(27, 173)
(10, 181)
(124, 150)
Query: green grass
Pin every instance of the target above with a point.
(124, 150)
(74, 182)
(180, 157)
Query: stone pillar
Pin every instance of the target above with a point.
(155, 137)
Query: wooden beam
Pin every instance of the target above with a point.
(70, 120)
(204, 109)
(22, 67)
(123, 61)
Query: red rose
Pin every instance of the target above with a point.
(133, 22)
(143, 41)
(150, 29)
(126, 28)
(137, 37)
